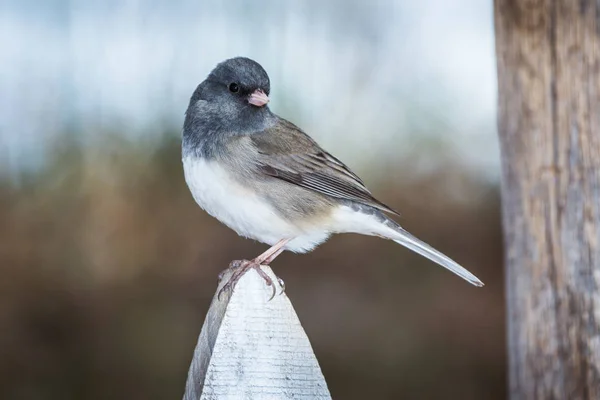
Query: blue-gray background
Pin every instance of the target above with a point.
(108, 266)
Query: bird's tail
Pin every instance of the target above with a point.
(404, 238)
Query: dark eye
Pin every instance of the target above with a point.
(234, 88)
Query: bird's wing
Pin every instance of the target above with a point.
(287, 153)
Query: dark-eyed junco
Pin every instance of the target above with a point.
(266, 179)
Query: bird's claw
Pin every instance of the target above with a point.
(240, 267)
(267, 279)
(282, 284)
(232, 265)
(269, 282)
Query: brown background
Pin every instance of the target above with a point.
(108, 268)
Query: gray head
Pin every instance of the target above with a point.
(231, 101)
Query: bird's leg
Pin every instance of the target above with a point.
(268, 261)
(239, 267)
(242, 266)
(272, 252)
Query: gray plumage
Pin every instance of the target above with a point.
(215, 115)
(265, 178)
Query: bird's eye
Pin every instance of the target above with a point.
(233, 87)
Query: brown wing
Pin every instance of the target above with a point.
(287, 153)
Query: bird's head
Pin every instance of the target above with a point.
(231, 101)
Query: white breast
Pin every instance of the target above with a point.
(240, 209)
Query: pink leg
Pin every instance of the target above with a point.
(268, 256)
(244, 265)
(272, 257)
(269, 261)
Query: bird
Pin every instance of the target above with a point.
(266, 179)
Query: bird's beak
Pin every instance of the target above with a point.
(258, 98)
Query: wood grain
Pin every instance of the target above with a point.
(548, 55)
(252, 348)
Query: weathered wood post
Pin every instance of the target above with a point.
(549, 125)
(252, 348)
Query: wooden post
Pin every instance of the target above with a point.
(252, 348)
(549, 125)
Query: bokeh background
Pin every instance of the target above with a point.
(107, 264)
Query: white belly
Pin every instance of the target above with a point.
(242, 210)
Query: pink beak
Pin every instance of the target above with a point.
(258, 98)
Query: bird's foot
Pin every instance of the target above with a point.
(235, 264)
(240, 267)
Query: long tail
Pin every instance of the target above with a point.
(404, 238)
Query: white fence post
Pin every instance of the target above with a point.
(252, 348)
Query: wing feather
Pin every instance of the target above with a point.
(287, 153)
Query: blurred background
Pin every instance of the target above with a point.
(108, 266)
